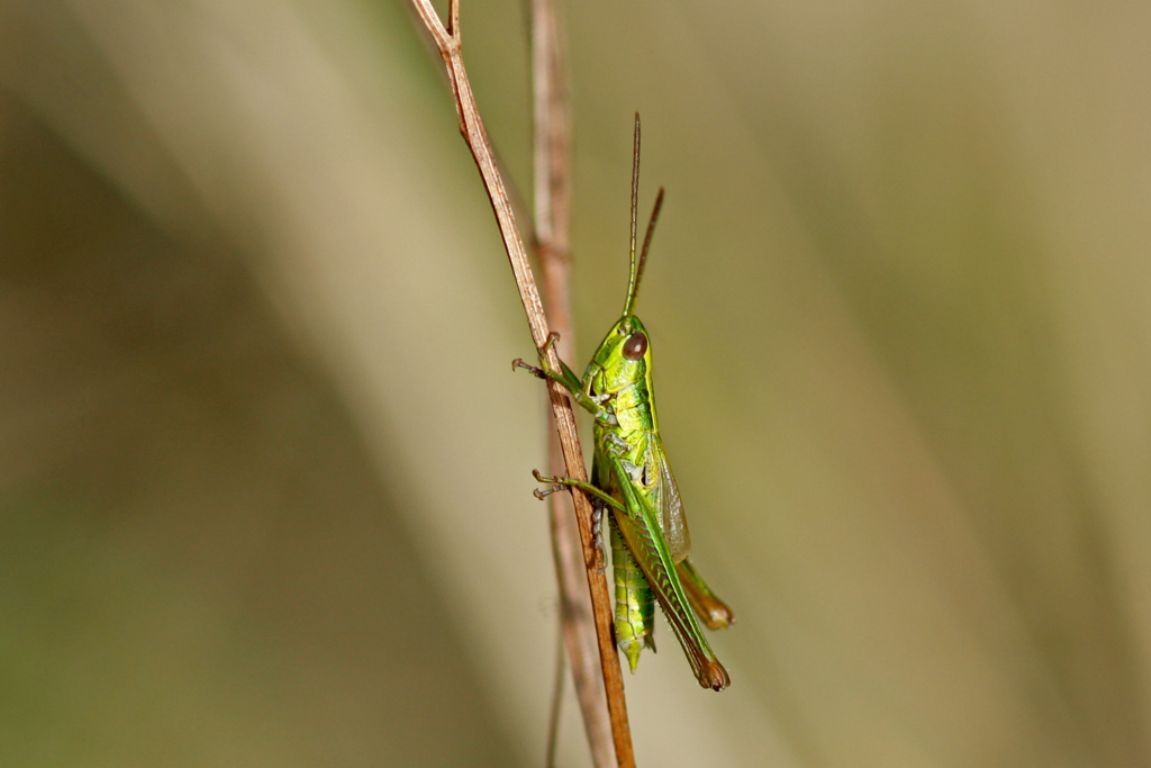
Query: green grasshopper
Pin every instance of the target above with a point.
(631, 477)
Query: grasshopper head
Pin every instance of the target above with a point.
(625, 352)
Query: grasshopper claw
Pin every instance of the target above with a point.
(537, 372)
(543, 493)
(553, 337)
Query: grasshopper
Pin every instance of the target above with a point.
(632, 478)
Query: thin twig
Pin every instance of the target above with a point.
(551, 158)
(471, 126)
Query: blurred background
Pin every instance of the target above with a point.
(264, 490)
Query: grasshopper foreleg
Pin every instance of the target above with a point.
(566, 378)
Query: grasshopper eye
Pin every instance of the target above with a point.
(635, 346)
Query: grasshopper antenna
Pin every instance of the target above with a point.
(647, 239)
(633, 277)
(637, 265)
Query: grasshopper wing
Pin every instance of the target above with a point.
(642, 531)
(665, 498)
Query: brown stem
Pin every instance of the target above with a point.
(552, 187)
(471, 126)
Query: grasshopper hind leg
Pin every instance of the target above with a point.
(712, 611)
(640, 529)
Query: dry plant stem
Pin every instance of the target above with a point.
(471, 126)
(551, 160)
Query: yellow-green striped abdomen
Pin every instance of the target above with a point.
(634, 604)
